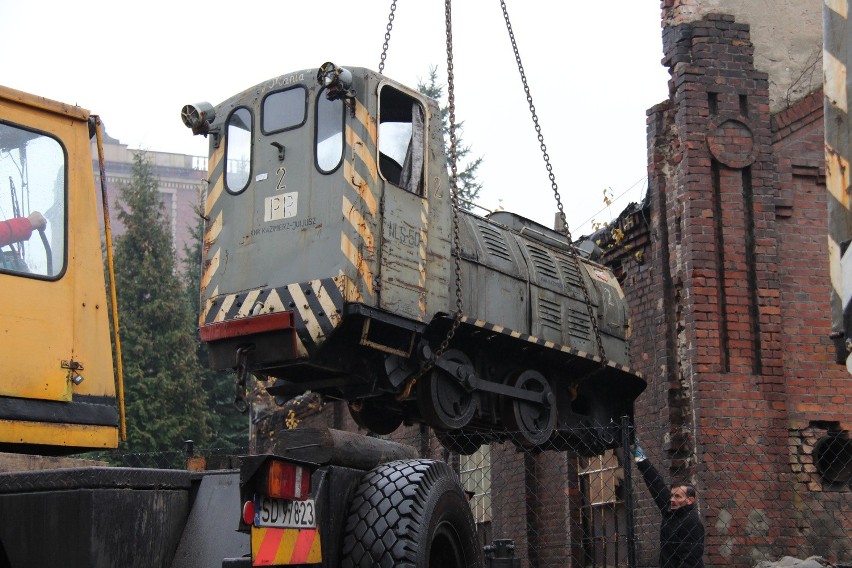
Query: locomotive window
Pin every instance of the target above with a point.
(32, 203)
(238, 150)
(402, 137)
(330, 118)
(284, 109)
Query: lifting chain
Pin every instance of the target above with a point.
(454, 176)
(387, 37)
(240, 402)
(454, 192)
(572, 252)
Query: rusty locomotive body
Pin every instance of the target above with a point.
(330, 266)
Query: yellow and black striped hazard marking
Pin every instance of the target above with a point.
(273, 546)
(317, 307)
(215, 187)
(494, 328)
(838, 153)
(360, 171)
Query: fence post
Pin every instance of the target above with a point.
(628, 492)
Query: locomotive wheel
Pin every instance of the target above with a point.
(410, 513)
(460, 442)
(532, 421)
(374, 415)
(443, 401)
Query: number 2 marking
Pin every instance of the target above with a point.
(282, 171)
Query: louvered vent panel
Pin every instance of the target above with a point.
(578, 324)
(495, 243)
(550, 314)
(543, 262)
(570, 273)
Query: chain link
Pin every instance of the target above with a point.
(454, 188)
(240, 402)
(387, 37)
(572, 252)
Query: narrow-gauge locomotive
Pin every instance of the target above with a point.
(330, 266)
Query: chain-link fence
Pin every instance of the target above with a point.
(584, 508)
(752, 503)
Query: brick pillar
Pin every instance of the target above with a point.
(714, 358)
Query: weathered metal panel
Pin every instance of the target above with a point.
(405, 233)
(93, 517)
(210, 531)
(494, 276)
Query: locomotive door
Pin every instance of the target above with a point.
(402, 157)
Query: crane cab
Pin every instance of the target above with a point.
(57, 389)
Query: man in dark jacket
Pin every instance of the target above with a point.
(681, 530)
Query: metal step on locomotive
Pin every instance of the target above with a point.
(337, 260)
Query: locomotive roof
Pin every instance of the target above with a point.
(300, 77)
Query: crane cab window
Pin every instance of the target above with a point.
(330, 117)
(284, 110)
(238, 150)
(32, 203)
(402, 136)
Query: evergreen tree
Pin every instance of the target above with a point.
(229, 428)
(163, 391)
(468, 184)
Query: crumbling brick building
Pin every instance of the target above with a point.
(726, 268)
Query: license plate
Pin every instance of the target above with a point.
(281, 513)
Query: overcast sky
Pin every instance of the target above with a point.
(593, 69)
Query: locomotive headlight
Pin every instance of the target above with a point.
(337, 80)
(198, 117)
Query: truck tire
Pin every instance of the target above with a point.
(413, 514)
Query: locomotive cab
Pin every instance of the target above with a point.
(320, 198)
(329, 265)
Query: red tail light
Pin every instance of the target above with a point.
(287, 480)
(248, 512)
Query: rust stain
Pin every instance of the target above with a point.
(348, 289)
(360, 225)
(210, 268)
(213, 230)
(354, 255)
(361, 151)
(208, 305)
(838, 175)
(363, 116)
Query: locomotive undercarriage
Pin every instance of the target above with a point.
(488, 386)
